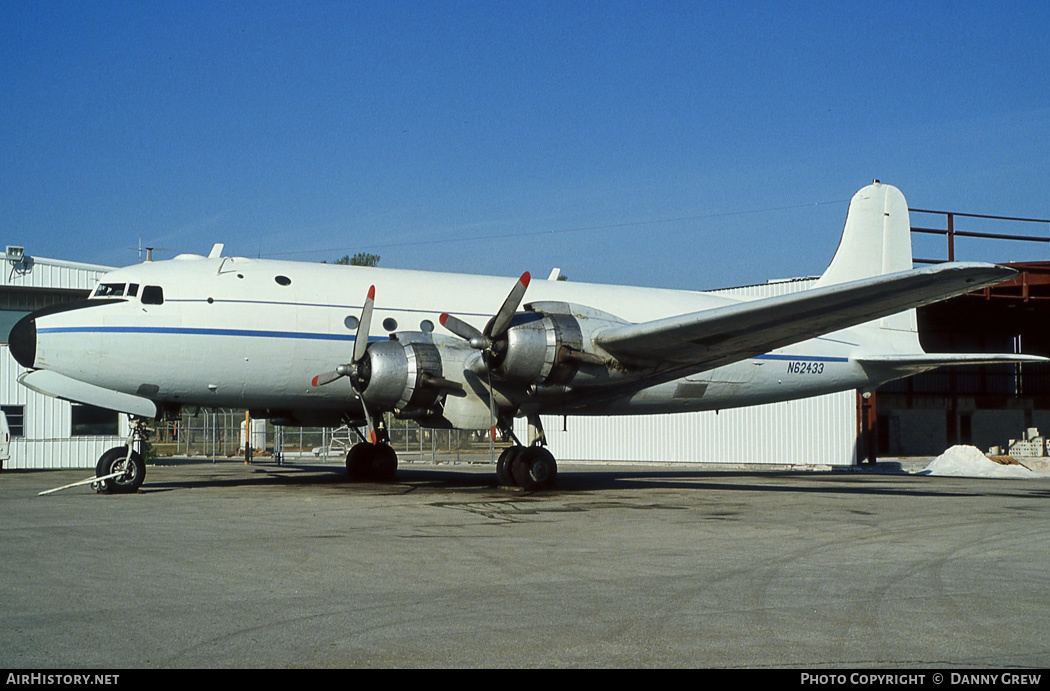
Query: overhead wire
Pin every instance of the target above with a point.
(557, 231)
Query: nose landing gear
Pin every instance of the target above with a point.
(129, 464)
(121, 469)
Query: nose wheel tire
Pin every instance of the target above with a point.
(117, 460)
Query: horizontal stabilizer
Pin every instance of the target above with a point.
(60, 386)
(915, 363)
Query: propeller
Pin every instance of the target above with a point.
(352, 369)
(489, 340)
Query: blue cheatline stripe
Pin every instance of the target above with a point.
(801, 358)
(308, 336)
(246, 333)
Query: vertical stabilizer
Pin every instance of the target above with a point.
(877, 240)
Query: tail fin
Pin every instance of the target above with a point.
(877, 240)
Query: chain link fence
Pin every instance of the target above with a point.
(219, 435)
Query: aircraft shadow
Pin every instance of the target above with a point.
(412, 478)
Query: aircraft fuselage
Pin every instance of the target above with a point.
(251, 333)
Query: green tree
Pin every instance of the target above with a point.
(359, 259)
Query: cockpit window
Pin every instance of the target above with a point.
(109, 290)
(133, 289)
(152, 295)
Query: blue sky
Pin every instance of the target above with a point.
(674, 144)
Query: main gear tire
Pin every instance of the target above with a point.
(534, 469)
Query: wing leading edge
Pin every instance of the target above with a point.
(707, 339)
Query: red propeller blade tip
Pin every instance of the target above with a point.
(314, 382)
(443, 318)
(372, 293)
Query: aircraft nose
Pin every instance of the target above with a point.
(23, 341)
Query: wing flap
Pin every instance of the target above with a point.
(711, 338)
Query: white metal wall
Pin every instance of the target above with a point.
(47, 442)
(51, 273)
(811, 431)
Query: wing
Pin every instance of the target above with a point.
(711, 338)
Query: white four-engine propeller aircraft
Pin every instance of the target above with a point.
(298, 343)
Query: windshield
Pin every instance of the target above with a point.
(109, 290)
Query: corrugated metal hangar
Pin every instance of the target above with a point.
(920, 416)
(46, 432)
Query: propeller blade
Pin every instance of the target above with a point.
(461, 328)
(360, 346)
(361, 340)
(370, 424)
(501, 322)
(326, 378)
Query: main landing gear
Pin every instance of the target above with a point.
(366, 462)
(529, 467)
(372, 462)
(121, 470)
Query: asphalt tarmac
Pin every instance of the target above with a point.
(226, 565)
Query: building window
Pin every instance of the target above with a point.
(15, 419)
(91, 421)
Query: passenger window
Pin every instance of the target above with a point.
(152, 295)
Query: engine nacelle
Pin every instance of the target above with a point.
(400, 376)
(547, 344)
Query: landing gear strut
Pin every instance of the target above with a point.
(126, 460)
